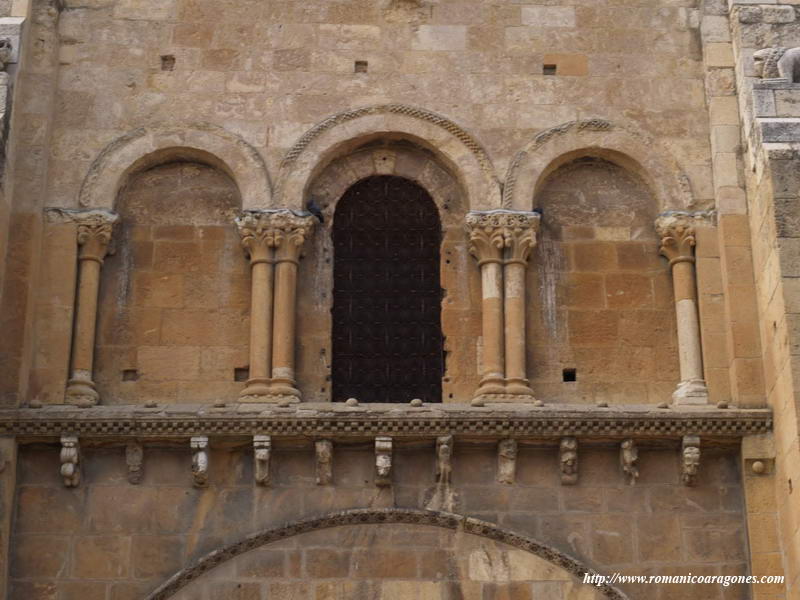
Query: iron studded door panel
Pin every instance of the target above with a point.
(387, 336)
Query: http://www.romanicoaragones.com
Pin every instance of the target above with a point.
(689, 578)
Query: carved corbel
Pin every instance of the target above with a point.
(324, 452)
(70, 460)
(262, 453)
(690, 459)
(134, 456)
(568, 460)
(444, 454)
(507, 461)
(628, 457)
(383, 461)
(199, 445)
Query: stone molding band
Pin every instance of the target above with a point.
(369, 516)
(312, 421)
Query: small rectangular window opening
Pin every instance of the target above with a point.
(241, 374)
(130, 375)
(361, 66)
(569, 375)
(168, 62)
(549, 69)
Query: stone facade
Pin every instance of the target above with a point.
(616, 188)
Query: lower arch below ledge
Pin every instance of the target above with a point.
(356, 517)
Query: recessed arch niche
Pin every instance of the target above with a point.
(174, 299)
(602, 322)
(460, 297)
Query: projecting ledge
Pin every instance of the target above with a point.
(348, 422)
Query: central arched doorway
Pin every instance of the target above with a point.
(387, 335)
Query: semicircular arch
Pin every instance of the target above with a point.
(625, 146)
(366, 516)
(146, 147)
(342, 133)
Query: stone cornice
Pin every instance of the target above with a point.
(339, 421)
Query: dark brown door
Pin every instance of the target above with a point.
(387, 335)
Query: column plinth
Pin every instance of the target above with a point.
(502, 241)
(676, 230)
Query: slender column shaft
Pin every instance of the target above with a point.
(517, 381)
(493, 329)
(94, 236)
(677, 244)
(283, 376)
(261, 321)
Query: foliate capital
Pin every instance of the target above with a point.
(261, 230)
(496, 234)
(95, 228)
(677, 232)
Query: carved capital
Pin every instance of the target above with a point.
(502, 234)
(95, 229)
(282, 229)
(677, 232)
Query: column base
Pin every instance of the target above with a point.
(691, 391)
(271, 398)
(269, 390)
(505, 398)
(81, 393)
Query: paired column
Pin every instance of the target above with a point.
(676, 230)
(273, 239)
(95, 228)
(502, 241)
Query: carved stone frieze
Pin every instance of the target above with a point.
(690, 459)
(507, 461)
(778, 63)
(326, 421)
(324, 459)
(262, 455)
(444, 455)
(199, 445)
(383, 461)
(628, 458)
(70, 460)
(134, 457)
(568, 460)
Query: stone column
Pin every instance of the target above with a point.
(676, 230)
(94, 235)
(502, 241)
(258, 241)
(520, 240)
(273, 240)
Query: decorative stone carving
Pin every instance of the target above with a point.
(502, 241)
(95, 228)
(778, 63)
(568, 460)
(628, 457)
(272, 240)
(199, 445)
(262, 454)
(70, 460)
(383, 461)
(690, 463)
(677, 232)
(6, 52)
(444, 454)
(134, 456)
(324, 451)
(507, 461)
